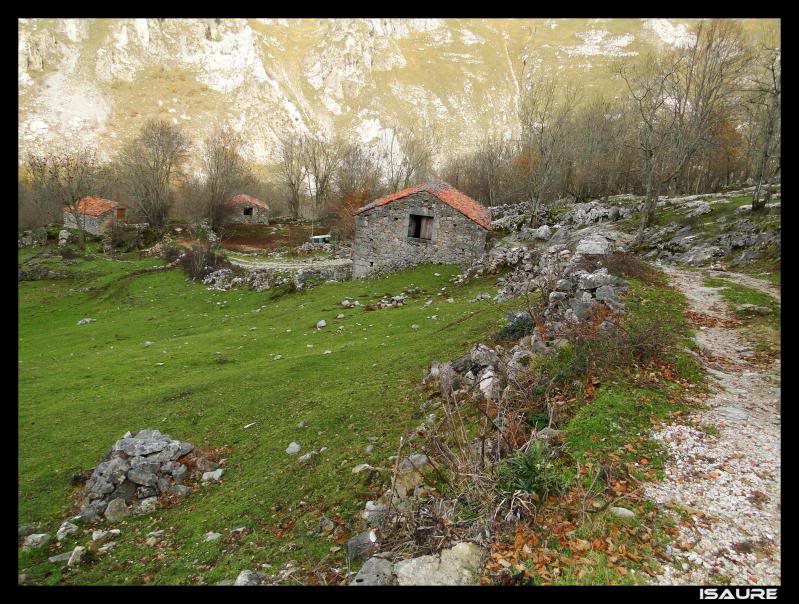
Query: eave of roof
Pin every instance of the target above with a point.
(94, 206)
(242, 199)
(443, 192)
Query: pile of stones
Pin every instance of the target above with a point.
(392, 302)
(137, 470)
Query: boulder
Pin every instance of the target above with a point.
(593, 245)
(374, 513)
(35, 540)
(180, 490)
(76, 557)
(622, 512)
(459, 565)
(375, 571)
(26, 529)
(482, 355)
(362, 546)
(250, 578)
(142, 477)
(213, 476)
(116, 510)
(147, 506)
(60, 557)
(136, 447)
(65, 530)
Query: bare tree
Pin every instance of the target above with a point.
(321, 159)
(765, 101)
(648, 83)
(358, 172)
(598, 143)
(357, 180)
(545, 112)
(493, 158)
(63, 178)
(407, 156)
(149, 164)
(679, 95)
(225, 171)
(292, 170)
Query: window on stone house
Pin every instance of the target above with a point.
(248, 211)
(420, 227)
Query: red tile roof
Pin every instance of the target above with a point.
(94, 206)
(445, 193)
(243, 199)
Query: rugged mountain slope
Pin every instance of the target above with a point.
(98, 80)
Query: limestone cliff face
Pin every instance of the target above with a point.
(98, 80)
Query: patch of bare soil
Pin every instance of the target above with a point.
(723, 477)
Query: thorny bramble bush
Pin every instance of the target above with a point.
(201, 260)
(518, 326)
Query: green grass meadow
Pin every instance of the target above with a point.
(82, 387)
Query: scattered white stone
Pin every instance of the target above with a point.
(76, 557)
(35, 540)
(85, 321)
(250, 425)
(65, 530)
(622, 512)
(293, 448)
(211, 536)
(322, 323)
(213, 476)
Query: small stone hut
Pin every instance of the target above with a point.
(244, 209)
(94, 214)
(430, 223)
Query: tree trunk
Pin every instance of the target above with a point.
(648, 211)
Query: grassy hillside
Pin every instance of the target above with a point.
(82, 387)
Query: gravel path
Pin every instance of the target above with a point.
(729, 483)
(289, 265)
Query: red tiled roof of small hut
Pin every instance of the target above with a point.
(94, 206)
(243, 199)
(443, 192)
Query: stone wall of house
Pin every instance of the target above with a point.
(91, 224)
(382, 244)
(237, 216)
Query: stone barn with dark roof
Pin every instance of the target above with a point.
(430, 223)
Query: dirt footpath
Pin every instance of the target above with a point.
(723, 476)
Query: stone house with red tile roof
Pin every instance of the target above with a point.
(94, 214)
(427, 224)
(245, 209)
